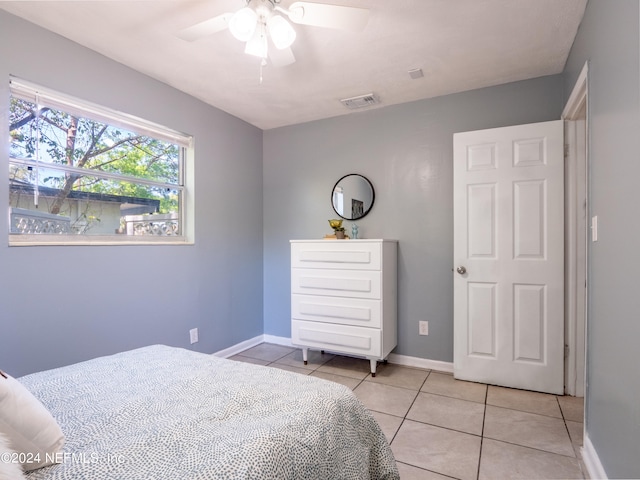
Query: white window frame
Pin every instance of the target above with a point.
(42, 95)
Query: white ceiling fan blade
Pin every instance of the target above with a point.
(206, 28)
(329, 16)
(281, 58)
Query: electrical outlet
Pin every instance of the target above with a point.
(193, 335)
(423, 327)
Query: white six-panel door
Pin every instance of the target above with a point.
(509, 256)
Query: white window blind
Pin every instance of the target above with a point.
(49, 98)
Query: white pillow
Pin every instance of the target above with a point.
(10, 469)
(28, 425)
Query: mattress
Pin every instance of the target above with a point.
(167, 413)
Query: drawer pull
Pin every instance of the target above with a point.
(343, 340)
(336, 311)
(346, 284)
(316, 256)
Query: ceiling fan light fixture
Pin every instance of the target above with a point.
(242, 24)
(281, 31)
(257, 44)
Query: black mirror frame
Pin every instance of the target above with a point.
(373, 196)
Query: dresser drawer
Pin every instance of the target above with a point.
(345, 311)
(339, 254)
(341, 338)
(339, 283)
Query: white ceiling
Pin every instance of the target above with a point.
(459, 44)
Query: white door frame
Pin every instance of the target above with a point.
(576, 117)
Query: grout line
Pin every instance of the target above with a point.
(433, 425)
(454, 398)
(566, 427)
(427, 470)
(389, 385)
(404, 417)
(412, 403)
(396, 434)
(531, 448)
(484, 419)
(425, 380)
(525, 411)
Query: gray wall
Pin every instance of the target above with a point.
(406, 151)
(609, 39)
(60, 305)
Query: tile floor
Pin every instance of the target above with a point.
(442, 428)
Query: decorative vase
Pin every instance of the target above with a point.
(340, 235)
(335, 223)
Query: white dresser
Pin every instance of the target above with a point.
(344, 297)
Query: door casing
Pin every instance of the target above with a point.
(576, 117)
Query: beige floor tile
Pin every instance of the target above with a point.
(267, 351)
(347, 366)
(255, 361)
(572, 408)
(506, 461)
(525, 435)
(385, 398)
(346, 381)
(576, 432)
(437, 449)
(314, 359)
(527, 429)
(290, 368)
(445, 384)
(388, 423)
(524, 400)
(447, 412)
(409, 472)
(399, 376)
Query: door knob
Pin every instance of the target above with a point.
(461, 270)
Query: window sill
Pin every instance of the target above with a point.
(20, 240)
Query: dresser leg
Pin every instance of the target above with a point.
(304, 355)
(374, 364)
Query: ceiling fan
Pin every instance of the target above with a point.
(263, 23)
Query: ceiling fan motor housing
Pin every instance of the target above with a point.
(264, 8)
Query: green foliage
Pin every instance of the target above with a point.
(59, 138)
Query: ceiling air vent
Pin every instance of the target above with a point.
(361, 101)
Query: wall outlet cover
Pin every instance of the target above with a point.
(193, 335)
(423, 327)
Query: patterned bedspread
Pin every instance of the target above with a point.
(164, 413)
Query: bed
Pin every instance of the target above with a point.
(168, 413)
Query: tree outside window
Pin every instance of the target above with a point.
(88, 173)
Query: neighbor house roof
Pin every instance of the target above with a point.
(128, 205)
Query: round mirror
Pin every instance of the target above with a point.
(352, 196)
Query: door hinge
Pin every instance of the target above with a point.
(566, 351)
(566, 150)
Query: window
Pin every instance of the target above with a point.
(81, 173)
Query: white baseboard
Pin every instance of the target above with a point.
(239, 347)
(285, 341)
(421, 363)
(592, 461)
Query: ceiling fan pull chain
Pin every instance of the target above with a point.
(263, 62)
